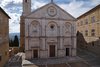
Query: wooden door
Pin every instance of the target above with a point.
(52, 50)
(67, 51)
(35, 53)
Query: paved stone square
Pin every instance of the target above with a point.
(56, 62)
(89, 57)
(85, 59)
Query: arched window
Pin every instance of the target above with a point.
(67, 27)
(52, 29)
(34, 28)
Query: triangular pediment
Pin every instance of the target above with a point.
(51, 10)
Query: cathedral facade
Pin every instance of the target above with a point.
(49, 31)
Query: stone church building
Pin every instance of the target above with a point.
(47, 32)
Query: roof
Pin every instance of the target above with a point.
(85, 14)
(5, 13)
(53, 4)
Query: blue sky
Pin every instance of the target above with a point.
(74, 7)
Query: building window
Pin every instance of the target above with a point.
(93, 32)
(82, 32)
(78, 24)
(0, 20)
(81, 23)
(93, 19)
(34, 29)
(86, 21)
(26, 1)
(52, 27)
(0, 58)
(86, 33)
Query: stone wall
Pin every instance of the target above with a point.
(4, 53)
(93, 47)
(4, 34)
(81, 43)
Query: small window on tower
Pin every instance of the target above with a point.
(26, 1)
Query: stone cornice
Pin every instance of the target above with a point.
(50, 18)
(50, 37)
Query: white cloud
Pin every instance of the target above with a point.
(14, 22)
(14, 25)
(95, 2)
(37, 4)
(14, 29)
(75, 8)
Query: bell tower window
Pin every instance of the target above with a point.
(26, 1)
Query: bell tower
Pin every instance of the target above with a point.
(26, 11)
(26, 7)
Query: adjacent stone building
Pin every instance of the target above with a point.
(89, 24)
(4, 37)
(47, 32)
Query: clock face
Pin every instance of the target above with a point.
(51, 11)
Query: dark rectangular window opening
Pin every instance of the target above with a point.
(86, 33)
(86, 21)
(26, 1)
(0, 58)
(93, 19)
(93, 32)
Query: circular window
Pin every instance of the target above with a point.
(52, 11)
(52, 27)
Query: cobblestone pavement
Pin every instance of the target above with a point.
(89, 57)
(70, 64)
(16, 61)
(56, 62)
